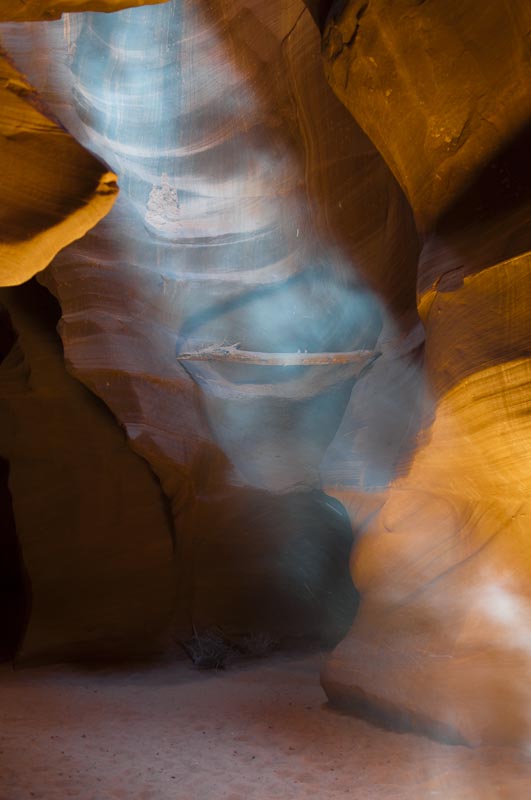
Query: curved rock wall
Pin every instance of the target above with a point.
(442, 640)
(253, 210)
(91, 520)
(42, 209)
(27, 10)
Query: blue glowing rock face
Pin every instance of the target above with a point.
(252, 211)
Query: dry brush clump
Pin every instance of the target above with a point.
(211, 649)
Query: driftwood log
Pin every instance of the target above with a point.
(233, 354)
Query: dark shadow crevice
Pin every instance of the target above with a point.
(15, 591)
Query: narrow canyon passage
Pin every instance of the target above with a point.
(265, 400)
(253, 212)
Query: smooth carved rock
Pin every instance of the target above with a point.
(253, 211)
(28, 10)
(439, 90)
(224, 189)
(259, 562)
(442, 639)
(90, 517)
(44, 205)
(453, 89)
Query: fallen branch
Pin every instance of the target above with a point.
(234, 355)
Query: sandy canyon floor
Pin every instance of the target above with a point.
(259, 730)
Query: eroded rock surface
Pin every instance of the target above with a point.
(27, 10)
(442, 638)
(44, 205)
(91, 520)
(253, 210)
(439, 89)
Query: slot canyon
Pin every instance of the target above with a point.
(265, 399)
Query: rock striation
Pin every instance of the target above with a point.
(91, 521)
(442, 639)
(43, 207)
(253, 210)
(29, 10)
